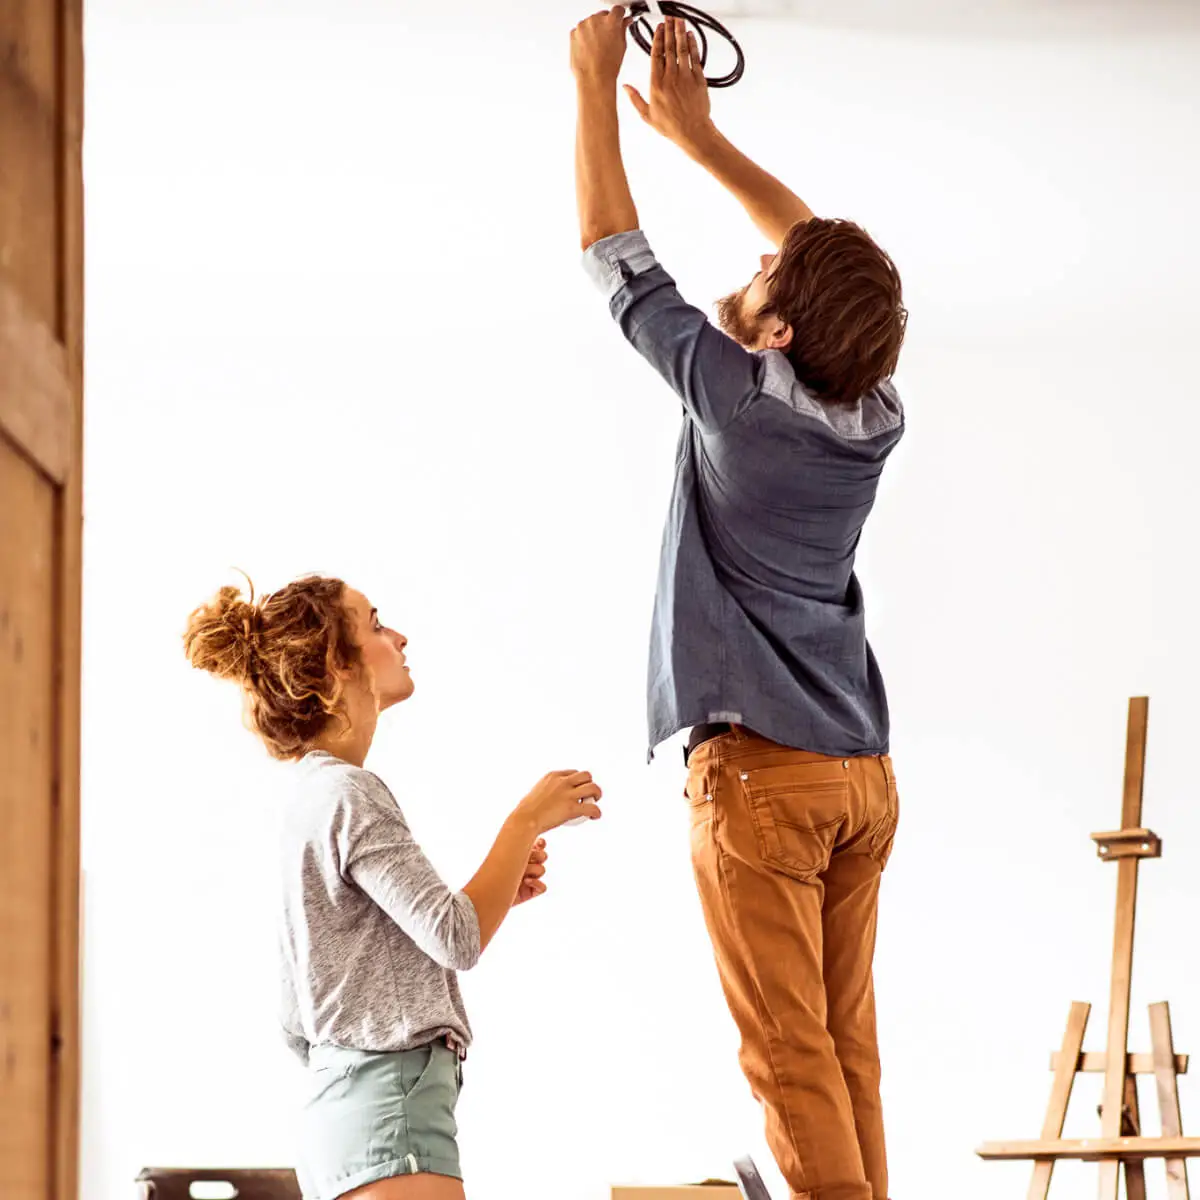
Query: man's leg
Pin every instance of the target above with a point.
(764, 917)
(849, 921)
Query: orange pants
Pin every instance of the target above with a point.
(788, 848)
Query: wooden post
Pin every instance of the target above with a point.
(1060, 1096)
(1135, 1168)
(66, 998)
(41, 498)
(1122, 961)
(1168, 1095)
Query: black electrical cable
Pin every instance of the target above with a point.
(699, 21)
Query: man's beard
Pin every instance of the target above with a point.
(731, 316)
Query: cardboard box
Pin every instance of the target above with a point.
(716, 1189)
(175, 1183)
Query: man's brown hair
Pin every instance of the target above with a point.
(841, 295)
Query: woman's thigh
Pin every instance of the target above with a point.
(410, 1187)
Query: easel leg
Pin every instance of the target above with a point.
(1134, 1168)
(1122, 962)
(1060, 1096)
(1163, 1046)
(1131, 1126)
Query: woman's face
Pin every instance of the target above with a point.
(382, 652)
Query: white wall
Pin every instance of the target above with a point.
(336, 322)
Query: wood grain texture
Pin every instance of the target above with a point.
(1167, 1088)
(35, 391)
(41, 446)
(1093, 1149)
(1122, 958)
(1060, 1095)
(27, 620)
(1093, 1062)
(1135, 1168)
(66, 1000)
(30, 154)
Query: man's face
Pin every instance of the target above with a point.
(738, 316)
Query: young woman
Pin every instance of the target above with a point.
(371, 937)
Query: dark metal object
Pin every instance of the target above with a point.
(750, 1182)
(699, 21)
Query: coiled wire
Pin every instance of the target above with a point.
(699, 21)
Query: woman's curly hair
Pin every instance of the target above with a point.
(288, 651)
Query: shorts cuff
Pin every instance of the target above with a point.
(438, 1166)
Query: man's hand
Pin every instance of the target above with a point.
(598, 47)
(679, 109)
(531, 884)
(679, 105)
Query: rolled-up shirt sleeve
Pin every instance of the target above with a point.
(715, 377)
(385, 861)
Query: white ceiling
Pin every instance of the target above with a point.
(954, 17)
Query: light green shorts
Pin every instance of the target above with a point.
(371, 1116)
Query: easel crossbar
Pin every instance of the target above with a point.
(1093, 1149)
(1093, 1062)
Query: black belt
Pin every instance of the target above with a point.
(704, 733)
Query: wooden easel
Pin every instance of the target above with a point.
(1121, 1144)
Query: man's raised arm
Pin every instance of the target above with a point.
(714, 376)
(679, 109)
(601, 188)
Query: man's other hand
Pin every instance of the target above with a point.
(679, 105)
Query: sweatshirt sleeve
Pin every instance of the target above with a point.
(382, 857)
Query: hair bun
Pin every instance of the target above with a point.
(290, 652)
(222, 635)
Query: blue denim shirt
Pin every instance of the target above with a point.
(758, 618)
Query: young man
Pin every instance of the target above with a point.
(759, 644)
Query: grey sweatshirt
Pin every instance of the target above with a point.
(371, 937)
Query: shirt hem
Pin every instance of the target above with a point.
(765, 729)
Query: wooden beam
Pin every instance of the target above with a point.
(1128, 843)
(1135, 762)
(67, 1062)
(1093, 1149)
(28, 504)
(30, 204)
(35, 391)
(1135, 1168)
(1168, 1095)
(1122, 957)
(1060, 1096)
(1092, 1062)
